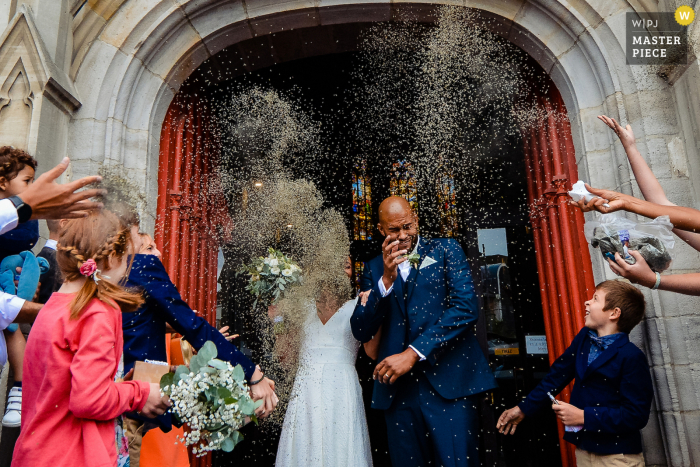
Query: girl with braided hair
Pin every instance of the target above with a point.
(70, 398)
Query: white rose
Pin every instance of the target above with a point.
(259, 268)
(287, 272)
(274, 262)
(266, 261)
(275, 270)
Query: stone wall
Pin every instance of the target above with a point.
(98, 76)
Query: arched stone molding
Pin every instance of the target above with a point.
(133, 66)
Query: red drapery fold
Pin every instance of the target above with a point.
(563, 259)
(192, 213)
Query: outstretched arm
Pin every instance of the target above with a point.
(648, 184)
(148, 272)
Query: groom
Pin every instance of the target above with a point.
(431, 367)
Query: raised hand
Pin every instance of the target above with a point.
(50, 200)
(225, 333)
(615, 201)
(509, 420)
(392, 258)
(626, 134)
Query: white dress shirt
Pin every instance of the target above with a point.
(8, 216)
(10, 305)
(51, 244)
(404, 269)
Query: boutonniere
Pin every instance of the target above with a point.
(413, 259)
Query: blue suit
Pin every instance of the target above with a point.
(614, 391)
(435, 311)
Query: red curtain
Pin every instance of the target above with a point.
(563, 259)
(192, 214)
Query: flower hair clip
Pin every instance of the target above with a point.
(89, 268)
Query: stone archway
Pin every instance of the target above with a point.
(140, 54)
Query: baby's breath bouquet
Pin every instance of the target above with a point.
(270, 277)
(212, 398)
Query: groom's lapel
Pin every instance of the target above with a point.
(424, 248)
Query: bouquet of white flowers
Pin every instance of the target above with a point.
(270, 277)
(212, 398)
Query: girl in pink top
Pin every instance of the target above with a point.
(70, 398)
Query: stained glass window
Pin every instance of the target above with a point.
(403, 182)
(448, 204)
(357, 273)
(361, 204)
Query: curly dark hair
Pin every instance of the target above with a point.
(12, 160)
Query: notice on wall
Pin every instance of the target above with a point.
(508, 351)
(536, 345)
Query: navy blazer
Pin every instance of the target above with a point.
(144, 330)
(615, 393)
(435, 311)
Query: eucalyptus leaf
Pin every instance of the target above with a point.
(218, 364)
(208, 370)
(167, 380)
(195, 363)
(208, 351)
(224, 393)
(227, 445)
(181, 371)
(238, 374)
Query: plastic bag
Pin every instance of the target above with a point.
(614, 234)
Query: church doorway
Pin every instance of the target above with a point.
(507, 216)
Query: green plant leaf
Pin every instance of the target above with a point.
(166, 380)
(218, 364)
(208, 351)
(228, 445)
(195, 363)
(224, 393)
(238, 374)
(208, 370)
(181, 371)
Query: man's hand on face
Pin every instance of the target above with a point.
(393, 367)
(392, 258)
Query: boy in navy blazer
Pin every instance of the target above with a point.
(612, 393)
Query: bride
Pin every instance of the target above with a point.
(325, 424)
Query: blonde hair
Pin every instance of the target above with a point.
(99, 237)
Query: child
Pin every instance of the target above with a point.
(612, 394)
(50, 281)
(16, 174)
(70, 398)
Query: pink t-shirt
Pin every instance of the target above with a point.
(70, 399)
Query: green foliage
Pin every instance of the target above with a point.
(270, 277)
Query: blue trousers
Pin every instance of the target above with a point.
(425, 429)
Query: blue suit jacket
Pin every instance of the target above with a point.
(615, 393)
(435, 311)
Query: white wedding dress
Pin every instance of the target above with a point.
(325, 424)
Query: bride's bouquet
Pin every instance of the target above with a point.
(270, 277)
(212, 398)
